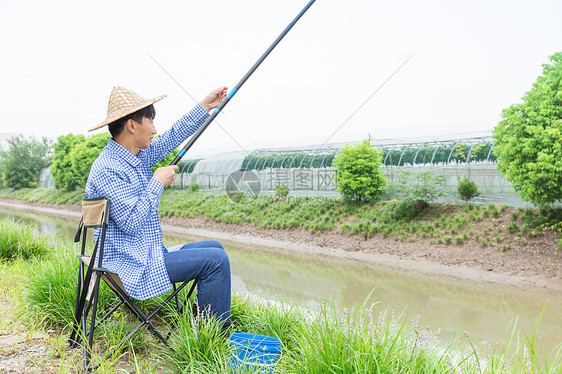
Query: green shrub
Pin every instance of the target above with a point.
(359, 173)
(405, 210)
(459, 240)
(550, 216)
(448, 239)
(512, 228)
(467, 189)
(194, 187)
(281, 190)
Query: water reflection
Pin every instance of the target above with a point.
(484, 310)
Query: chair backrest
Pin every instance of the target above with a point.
(95, 214)
(95, 211)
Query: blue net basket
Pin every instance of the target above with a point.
(253, 353)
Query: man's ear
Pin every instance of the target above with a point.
(130, 125)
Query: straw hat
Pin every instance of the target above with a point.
(123, 102)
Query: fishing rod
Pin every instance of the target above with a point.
(215, 112)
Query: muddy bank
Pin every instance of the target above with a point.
(537, 264)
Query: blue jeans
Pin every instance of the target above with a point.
(207, 262)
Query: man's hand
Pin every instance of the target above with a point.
(166, 174)
(214, 98)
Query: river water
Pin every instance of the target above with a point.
(485, 311)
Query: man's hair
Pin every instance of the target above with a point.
(116, 128)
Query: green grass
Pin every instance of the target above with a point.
(394, 219)
(20, 241)
(52, 286)
(328, 340)
(44, 195)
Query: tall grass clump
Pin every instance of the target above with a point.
(52, 286)
(265, 318)
(18, 240)
(198, 345)
(355, 342)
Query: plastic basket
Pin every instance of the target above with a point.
(254, 353)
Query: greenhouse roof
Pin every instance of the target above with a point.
(396, 152)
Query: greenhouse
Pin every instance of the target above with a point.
(444, 152)
(308, 171)
(462, 151)
(311, 158)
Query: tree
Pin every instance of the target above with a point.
(359, 173)
(467, 189)
(528, 139)
(84, 154)
(23, 161)
(61, 169)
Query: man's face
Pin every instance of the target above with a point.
(145, 132)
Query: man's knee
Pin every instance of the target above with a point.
(220, 257)
(216, 244)
(224, 257)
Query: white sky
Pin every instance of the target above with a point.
(472, 59)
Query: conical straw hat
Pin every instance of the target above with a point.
(123, 102)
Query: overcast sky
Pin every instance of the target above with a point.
(471, 59)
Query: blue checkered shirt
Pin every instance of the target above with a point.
(133, 243)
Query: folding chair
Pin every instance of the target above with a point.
(95, 214)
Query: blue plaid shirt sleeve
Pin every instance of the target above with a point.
(184, 127)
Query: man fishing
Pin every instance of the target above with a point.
(133, 246)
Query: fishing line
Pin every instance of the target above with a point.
(195, 101)
(233, 92)
(215, 112)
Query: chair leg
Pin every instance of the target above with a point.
(75, 337)
(94, 303)
(144, 320)
(177, 299)
(191, 289)
(140, 315)
(107, 315)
